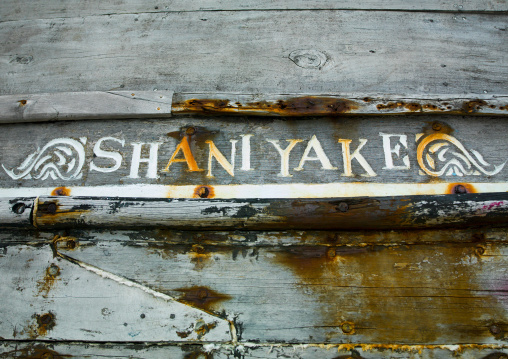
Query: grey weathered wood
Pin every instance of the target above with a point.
(16, 212)
(252, 52)
(410, 294)
(51, 297)
(247, 351)
(133, 104)
(337, 213)
(85, 105)
(12, 10)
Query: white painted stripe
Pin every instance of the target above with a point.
(297, 190)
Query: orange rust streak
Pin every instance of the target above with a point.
(469, 188)
(298, 106)
(204, 192)
(202, 297)
(61, 191)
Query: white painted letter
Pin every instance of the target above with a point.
(348, 157)
(396, 150)
(152, 159)
(214, 152)
(284, 154)
(115, 156)
(321, 156)
(246, 152)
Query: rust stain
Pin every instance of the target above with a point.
(34, 352)
(390, 284)
(459, 188)
(51, 277)
(297, 106)
(61, 191)
(202, 297)
(413, 106)
(43, 323)
(204, 192)
(198, 355)
(51, 212)
(473, 106)
(202, 328)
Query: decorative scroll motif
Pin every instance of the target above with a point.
(61, 158)
(455, 159)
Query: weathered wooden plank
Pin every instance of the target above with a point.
(247, 350)
(85, 105)
(268, 214)
(229, 52)
(48, 297)
(239, 157)
(133, 104)
(16, 212)
(21, 10)
(410, 294)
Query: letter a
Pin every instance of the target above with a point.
(187, 154)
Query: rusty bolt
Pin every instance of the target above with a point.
(203, 192)
(343, 207)
(494, 329)
(51, 208)
(480, 250)
(436, 126)
(47, 356)
(459, 189)
(53, 270)
(190, 131)
(71, 244)
(46, 318)
(18, 208)
(331, 252)
(347, 327)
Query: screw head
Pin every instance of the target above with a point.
(343, 207)
(53, 270)
(203, 192)
(480, 250)
(347, 327)
(190, 131)
(460, 189)
(494, 329)
(436, 126)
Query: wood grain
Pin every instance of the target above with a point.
(12, 10)
(409, 294)
(269, 214)
(316, 52)
(88, 350)
(53, 298)
(85, 105)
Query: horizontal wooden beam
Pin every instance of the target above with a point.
(13, 10)
(162, 104)
(405, 212)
